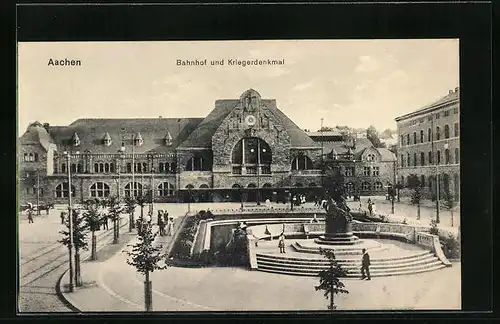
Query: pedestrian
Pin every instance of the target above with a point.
(105, 224)
(62, 218)
(281, 242)
(170, 226)
(365, 265)
(161, 224)
(160, 214)
(30, 216)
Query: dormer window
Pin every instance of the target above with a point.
(370, 157)
(138, 141)
(107, 140)
(168, 139)
(75, 140)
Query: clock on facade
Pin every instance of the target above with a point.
(250, 120)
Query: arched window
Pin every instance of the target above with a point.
(99, 189)
(349, 187)
(302, 163)
(422, 158)
(365, 186)
(204, 186)
(408, 159)
(144, 167)
(438, 133)
(446, 156)
(378, 185)
(429, 135)
(96, 167)
(129, 189)
(63, 168)
(165, 189)
(414, 159)
(446, 131)
(267, 185)
(73, 167)
(252, 185)
(138, 167)
(101, 167)
(31, 157)
(430, 158)
(252, 152)
(36, 157)
(457, 155)
(429, 182)
(112, 167)
(422, 181)
(414, 137)
(438, 157)
(402, 160)
(235, 186)
(161, 167)
(80, 168)
(106, 167)
(62, 190)
(421, 136)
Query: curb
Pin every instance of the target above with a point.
(62, 296)
(67, 301)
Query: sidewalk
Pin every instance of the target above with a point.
(84, 298)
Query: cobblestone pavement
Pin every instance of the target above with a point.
(42, 262)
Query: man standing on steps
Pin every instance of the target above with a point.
(365, 265)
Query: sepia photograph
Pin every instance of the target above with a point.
(239, 176)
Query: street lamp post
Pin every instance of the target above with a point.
(38, 192)
(189, 199)
(152, 191)
(70, 219)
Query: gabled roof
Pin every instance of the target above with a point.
(92, 131)
(386, 154)
(452, 96)
(343, 147)
(36, 133)
(201, 137)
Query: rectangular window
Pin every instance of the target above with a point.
(366, 171)
(455, 110)
(376, 171)
(349, 171)
(129, 167)
(438, 115)
(446, 113)
(457, 130)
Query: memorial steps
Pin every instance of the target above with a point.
(389, 261)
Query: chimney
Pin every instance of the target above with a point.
(46, 126)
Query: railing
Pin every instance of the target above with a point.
(251, 170)
(236, 169)
(265, 169)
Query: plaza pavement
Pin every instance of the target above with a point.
(113, 285)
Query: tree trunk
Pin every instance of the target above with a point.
(130, 222)
(148, 293)
(142, 212)
(332, 304)
(451, 211)
(418, 211)
(94, 247)
(78, 274)
(115, 227)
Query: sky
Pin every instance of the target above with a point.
(346, 82)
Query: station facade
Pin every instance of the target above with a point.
(244, 149)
